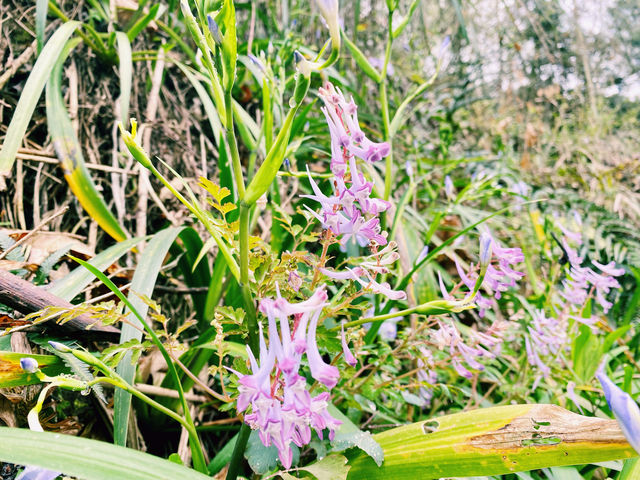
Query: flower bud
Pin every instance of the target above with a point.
(623, 407)
(214, 29)
(329, 11)
(59, 346)
(485, 249)
(29, 364)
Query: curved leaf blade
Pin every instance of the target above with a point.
(494, 441)
(30, 95)
(69, 153)
(85, 458)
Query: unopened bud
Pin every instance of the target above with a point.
(29, 364)
(61, 347)
(214, 29)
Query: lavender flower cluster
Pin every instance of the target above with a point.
(282, 409)
(548, 335)
(496, 266)
(351, 213)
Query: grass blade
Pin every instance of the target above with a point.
(68, 151)
(85, 458)
(42, 8)
(143, 282)
(29, 98)
(72, 284)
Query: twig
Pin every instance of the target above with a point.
(27, 298)
(32, 232)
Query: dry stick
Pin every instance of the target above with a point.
(36, 195)
(45, 158)
(32, 232)
(14, 66)
(19, 194)
(27, 298)
(150, 116)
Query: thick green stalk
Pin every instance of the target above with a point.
(232, 143)
(250, 312)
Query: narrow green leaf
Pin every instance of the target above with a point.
(125, 68)
(72, 284)
(631, 469)
(142, 283)
(361, 60)
(29, 98)
(143, 22)
(85, 458)
(42, 8)
(69, 153)
(493, 441)
(12, 375)
(207, 103)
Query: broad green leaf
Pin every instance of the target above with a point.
(263, 459)
(69, 153)
(12, 375)
(349, 435)
(125, 69)
(72, 284)
(85, 458)
(30, 95)
(333, 467)
(493, 441)
(142, 283)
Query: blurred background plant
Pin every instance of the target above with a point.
(515, 118)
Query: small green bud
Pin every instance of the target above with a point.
(129, 139)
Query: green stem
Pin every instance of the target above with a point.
(238, 452)
(250, 309)
(224, 249)
(232, 143)
(119, 382)
(384, 104)
(197, 451)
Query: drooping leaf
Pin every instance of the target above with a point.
(349, 435)
(69, 153)
(332, 467)
(29, 98)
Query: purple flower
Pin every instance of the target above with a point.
(282, 410)
(348, 356)
(37, 473)
(624, 409)
(321, 371)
